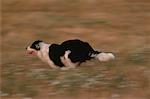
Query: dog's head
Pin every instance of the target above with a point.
(34, 47)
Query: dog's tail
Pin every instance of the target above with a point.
(102, 56)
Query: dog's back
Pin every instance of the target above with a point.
(80, 51)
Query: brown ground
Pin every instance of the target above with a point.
(120, 26)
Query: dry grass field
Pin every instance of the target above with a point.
(119, 26)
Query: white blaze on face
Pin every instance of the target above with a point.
(31, 51)
(103, 57)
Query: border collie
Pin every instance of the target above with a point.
(68, 54)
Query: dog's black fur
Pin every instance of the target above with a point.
(80, 51)
(35, 45)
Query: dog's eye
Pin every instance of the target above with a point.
(37, 46)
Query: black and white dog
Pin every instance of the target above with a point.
(68, 54)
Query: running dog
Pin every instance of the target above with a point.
(68, 54)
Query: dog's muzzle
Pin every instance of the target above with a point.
(31, 51)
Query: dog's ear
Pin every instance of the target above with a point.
(36, 45)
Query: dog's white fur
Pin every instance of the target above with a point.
(103, 57)
(43, 54)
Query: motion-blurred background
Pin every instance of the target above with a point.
(119, 26)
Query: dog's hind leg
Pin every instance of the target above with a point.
(66, 60)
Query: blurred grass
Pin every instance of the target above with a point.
(115, 26)
(140, 56)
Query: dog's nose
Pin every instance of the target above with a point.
(26, 48)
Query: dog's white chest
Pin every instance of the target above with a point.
(43, 54)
